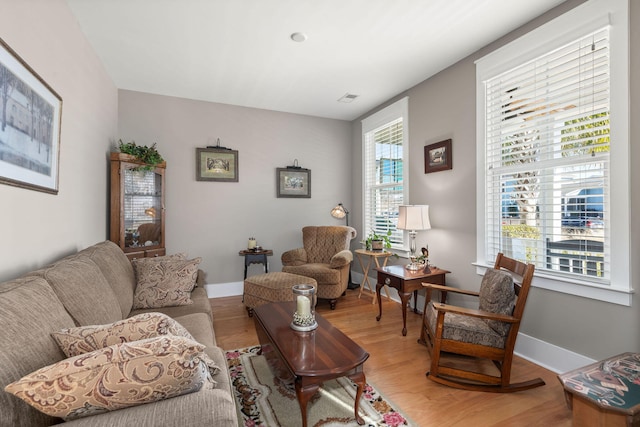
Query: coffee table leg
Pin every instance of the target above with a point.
(359, 379)
(304, 393)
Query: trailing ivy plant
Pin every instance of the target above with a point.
(148, 155)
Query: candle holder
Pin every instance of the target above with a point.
(304, 318)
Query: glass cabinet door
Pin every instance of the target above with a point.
(137, 206)
(142, 207)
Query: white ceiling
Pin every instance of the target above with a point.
(239, 52)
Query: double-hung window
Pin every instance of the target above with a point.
(384, 137)
(553, 145)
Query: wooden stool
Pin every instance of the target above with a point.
(271, 287)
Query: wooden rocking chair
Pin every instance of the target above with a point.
(488, 332)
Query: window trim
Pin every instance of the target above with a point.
(570, 26)
(398, 109)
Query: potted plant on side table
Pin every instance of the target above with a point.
(378, 242)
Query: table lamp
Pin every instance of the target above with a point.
(413, 218)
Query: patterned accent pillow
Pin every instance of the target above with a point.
(497, 295)
(115, 377)
(85, 339)
(164, 282)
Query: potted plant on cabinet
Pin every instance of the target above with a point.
(147, 155)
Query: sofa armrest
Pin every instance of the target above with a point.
(294, 257)
(341, 259)
(201, 280)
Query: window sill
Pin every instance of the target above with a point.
(610, 294)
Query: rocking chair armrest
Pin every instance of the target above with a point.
(444, 288)
(447, 308)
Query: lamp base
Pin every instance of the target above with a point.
(414, 266)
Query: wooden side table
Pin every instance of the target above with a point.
(255, 257)
(406, 282)
(370, 257)
(605, 393)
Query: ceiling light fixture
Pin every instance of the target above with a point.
(298, 37)
(347, 98)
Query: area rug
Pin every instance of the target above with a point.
(264, 400)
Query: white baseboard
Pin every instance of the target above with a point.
(549, 356)
(220, 290)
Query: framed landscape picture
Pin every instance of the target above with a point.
(216, 164)
(293, 182)
(438, 157)
(30, 119)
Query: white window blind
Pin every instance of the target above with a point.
(547, 139)
(384, 147)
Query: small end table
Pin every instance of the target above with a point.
(255, 257)
(406, 282)
(370, 257)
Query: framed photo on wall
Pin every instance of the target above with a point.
(438, 157)
(293, 182)
(30, 121)
(216, 164)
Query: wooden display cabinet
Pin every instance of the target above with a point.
(137, 207)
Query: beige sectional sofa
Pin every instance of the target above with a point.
(93, 287)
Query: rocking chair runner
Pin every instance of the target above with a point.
(489, 332)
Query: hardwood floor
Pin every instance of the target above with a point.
(398, 364)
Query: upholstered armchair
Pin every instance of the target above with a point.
(325, 257)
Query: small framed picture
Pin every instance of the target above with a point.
(29, 126)
(293, 182)
(438, 157)
(216, 164)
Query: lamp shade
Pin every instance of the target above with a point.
(413, 217)
(339, 211)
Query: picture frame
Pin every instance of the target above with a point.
(293, 182)
(30, 123)
(216, 164)
(438, 157)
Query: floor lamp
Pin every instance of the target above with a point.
(340, 212)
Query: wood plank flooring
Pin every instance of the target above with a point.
(398, 364)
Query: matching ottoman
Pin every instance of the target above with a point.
(271, 287)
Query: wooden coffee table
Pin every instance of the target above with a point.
(308, 358)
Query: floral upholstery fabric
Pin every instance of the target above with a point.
(85, 339)
(465, 329)
(115, 377)
(164, 282)
(497, 295)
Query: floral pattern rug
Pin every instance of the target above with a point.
(263, 399)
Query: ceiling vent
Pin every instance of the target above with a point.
(347, 98)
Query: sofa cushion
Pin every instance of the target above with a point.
(83, 290)
(203, 408)
(29, 312)
(115, 377)
(497, 295)
(164, 282)
(85, 339)
(117, 269)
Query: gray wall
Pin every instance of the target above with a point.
(444, 107)
(36, 227)
(213, 220)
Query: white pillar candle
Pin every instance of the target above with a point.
(252, 243)
(304, 306)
